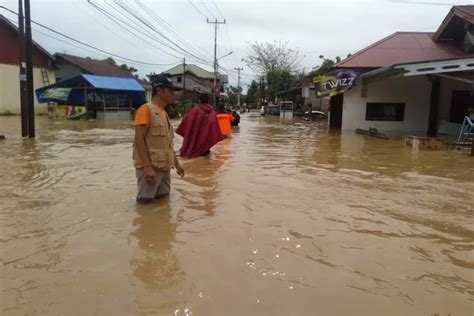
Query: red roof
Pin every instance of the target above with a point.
(401, 48)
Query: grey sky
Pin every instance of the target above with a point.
(326, 27)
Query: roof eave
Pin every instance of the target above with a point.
(455, 11)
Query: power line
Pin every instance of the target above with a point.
(90, 50)
(190, 50)
(207, 9)
(90, 13)
(177, 48)
(196, 8)
(422, 2)
(162, 22)
(85, 44)
(217, 8)
(121, 23)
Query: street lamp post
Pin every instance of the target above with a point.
(216, 67)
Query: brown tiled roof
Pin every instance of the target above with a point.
(96, 67)
(100, 67)
(400, 48)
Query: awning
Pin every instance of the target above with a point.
(420, 68)
(79, 85)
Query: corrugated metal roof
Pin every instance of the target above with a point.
(113, 83)
(402, 47)
(195, 70)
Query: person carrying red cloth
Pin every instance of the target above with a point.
(199, 129)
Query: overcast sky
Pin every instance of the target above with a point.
(319, 27)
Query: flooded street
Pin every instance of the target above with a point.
(281, 219)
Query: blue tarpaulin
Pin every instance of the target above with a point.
(101, 84)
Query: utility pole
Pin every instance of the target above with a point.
(29, 71)
(23, 103)
(184, 84)
(238, 85)
(216, 23)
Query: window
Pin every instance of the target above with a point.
(180, 79)
(385, 111)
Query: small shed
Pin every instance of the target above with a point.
(104, 97)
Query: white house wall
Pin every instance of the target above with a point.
(10, 88)
(415, 92)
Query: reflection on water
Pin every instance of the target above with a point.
(156, 265)
(281, 218)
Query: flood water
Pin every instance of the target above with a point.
(281, 219)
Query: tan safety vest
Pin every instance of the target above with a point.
(159, 142)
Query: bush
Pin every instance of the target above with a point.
(177, 110)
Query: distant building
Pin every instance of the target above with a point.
(43, 68)
(197, 79)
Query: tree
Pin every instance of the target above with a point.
(326, 65)
(265, 57)
(252, 93)
(125, 67)
(279, 80)
(232, 93)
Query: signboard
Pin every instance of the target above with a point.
(58, 94)
(335, 82)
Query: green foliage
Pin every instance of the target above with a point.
(232, 92)
(325, 66)
(125, 67)
(179, 109)
(252, 93)
(279, 80)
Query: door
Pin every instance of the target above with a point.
(335, 120)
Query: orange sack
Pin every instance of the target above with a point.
(224, 123)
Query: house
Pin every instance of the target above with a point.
(69, 66)
(43, 68)
(409, 82)
(196, 79)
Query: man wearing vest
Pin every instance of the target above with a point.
(153, 149)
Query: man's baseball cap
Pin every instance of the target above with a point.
(160, 81)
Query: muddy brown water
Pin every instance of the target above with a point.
(282, 219)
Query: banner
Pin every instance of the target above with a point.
(335, 82)
(56, 94)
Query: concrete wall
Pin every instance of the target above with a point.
(310, 97)
(415, 92)
(10, 88)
